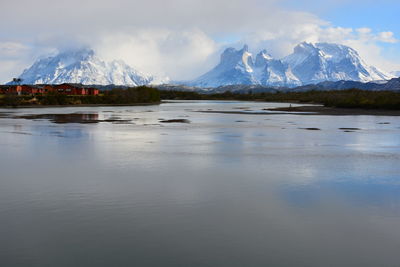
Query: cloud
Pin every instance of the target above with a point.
(161, 51)
(172, 36)
(367, 35)
(372, 53)
(90, 16)
(16, 56)
(387, 37)
(280, 41)
(11, 49)
(179, 38)
(12, 55)
(367, 43)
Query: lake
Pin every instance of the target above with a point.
(126, 186)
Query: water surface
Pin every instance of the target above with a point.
(126, 186)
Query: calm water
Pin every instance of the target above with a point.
(222, 190)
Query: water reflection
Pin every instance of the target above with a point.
(212, 192)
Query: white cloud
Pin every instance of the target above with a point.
(173, 37)
(12, 57)
(387, 37)
(280, 41)
(11, 49)
(162, 51)
(367, 35)
(16, 56)
(367, 44)
(364, 31)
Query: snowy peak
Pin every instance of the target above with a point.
(301, 53)
(85, 67)
(239, 67)
(235, 67)
(273, 72)
(314, 63)
(306, 48)
(262, 58)
(337, 52)
(233, 58)
(308, 64)
(71, 56)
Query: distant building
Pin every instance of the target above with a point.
(65, 89)
(75, 89)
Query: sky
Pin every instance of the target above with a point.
(183, 39)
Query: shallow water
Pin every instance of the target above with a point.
(127, 189)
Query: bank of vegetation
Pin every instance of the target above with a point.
(135, 95)
(352, 98)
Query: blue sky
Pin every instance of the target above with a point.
(183, 38)
(380, 16)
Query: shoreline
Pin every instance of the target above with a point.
(307, 109)
(311, 109)
(81, 105)
(334, 111)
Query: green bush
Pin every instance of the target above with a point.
(141, 94)
(12, 100)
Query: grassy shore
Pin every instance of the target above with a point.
(334, 111)
(349, 99)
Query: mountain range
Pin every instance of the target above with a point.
(390, 85)
(85, 67)
(308, 64)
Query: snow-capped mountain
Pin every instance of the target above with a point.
(308, 64)
(313, 63)
(239, 67)
(273, 72)
(83, 66)
(235, 67)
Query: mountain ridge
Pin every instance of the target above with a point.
(308, 64)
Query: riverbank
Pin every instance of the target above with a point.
(129, 96)
(348, 99)
(334, 111)
(82, 105)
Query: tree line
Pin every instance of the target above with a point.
(116, 96)
(351, 98)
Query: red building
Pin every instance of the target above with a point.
(29, 89)
(21, 89)
(48, 89)
(75, 89)
(65, 88)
